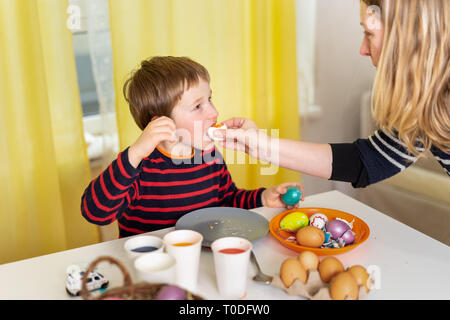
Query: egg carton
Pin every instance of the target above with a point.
(313, 289)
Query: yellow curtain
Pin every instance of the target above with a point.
(43, 165)
(249, 48)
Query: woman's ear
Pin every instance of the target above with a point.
(154, 118)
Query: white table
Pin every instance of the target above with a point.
(412, 265)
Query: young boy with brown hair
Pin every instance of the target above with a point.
(173, 167)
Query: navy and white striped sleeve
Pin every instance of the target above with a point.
(384, 155)
(442, 157)
(367, 161)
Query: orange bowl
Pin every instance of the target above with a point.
(360, 228)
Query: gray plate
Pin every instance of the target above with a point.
(218, 222)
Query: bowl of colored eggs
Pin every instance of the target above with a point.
(319, 230)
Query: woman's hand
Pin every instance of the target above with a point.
(240, 123)
(244, 135)
(314, 159)
(272, 197)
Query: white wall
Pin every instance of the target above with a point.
(341, 77)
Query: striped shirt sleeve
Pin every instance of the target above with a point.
(108, 195)
(231, 196)
(367, 161)
(442, 157)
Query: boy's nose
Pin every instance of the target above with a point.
(213, 112)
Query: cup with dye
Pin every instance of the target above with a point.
(185, 246)
(231, 261)
(156, 267)
(140, 245)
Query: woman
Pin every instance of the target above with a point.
(409, 44)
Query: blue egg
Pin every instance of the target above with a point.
(327, 237)
(292, 196)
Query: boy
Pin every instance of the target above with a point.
(173, 167)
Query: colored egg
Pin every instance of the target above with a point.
(327, 237)
(318, 220)
(294, 221)
(292, 196)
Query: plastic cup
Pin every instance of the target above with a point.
(185, 246)
(156, 267)
(140, 245)
(231, 261)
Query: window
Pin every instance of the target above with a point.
(86, 82)
(89, 22)
(306, 57)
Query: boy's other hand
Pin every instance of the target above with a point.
(271, 197)
(158, 130)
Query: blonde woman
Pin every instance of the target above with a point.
(409, 44)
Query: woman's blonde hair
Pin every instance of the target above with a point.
(411, 94)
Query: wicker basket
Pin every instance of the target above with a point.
(129, 291)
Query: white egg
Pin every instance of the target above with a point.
(211, 132)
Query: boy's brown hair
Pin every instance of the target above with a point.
(155, 88)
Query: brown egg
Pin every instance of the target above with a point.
(309, 260)
(342, 286)
(292, 269)
(361, 276)
(329, 267)
(310, 236)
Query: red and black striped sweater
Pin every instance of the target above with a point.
(161, 190)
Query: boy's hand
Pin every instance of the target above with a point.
(158, 130)
(272, 197)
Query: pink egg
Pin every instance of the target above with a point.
(349, 237)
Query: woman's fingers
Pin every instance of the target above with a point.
(240, 123)
(232, 145)
(234, 123)
(248, 137)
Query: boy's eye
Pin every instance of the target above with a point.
(209, 99)
(197, 107)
